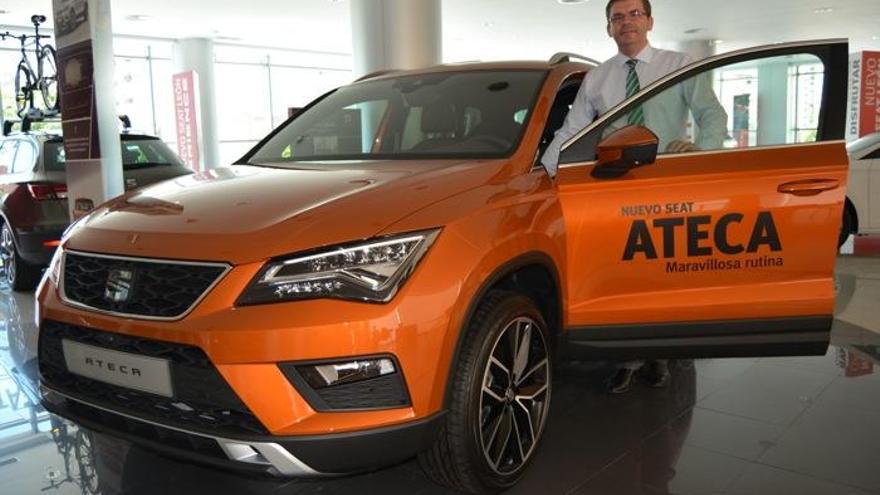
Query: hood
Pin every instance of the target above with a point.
(245, 213)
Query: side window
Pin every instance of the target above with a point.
(7, 153)
(561, 105)
(25, 158)
(769, 101)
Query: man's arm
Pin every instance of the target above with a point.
(582, 113)
(709, 115)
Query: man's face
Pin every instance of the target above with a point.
(630, 31)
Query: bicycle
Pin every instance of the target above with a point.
(44, 79)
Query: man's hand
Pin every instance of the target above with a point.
(681, 146)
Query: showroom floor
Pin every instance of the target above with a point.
(735, 426)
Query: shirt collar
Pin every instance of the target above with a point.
(646, 56)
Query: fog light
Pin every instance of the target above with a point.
(320, 376)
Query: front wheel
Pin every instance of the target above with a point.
(499, 400)
(847, 227)
(48, 78)
(20, 275)
(24, 96)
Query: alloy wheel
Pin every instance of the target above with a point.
(7, 254)
(514, 396)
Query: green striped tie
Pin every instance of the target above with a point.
(636, 115)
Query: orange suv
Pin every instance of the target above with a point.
(392, 272)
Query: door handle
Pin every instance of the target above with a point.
(809, 187)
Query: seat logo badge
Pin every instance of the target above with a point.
(119, 285)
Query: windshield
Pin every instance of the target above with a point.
(136, 153)
(477, 114)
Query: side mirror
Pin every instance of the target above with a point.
(623, 150)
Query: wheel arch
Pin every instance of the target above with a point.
(533, 274)
(850, 207)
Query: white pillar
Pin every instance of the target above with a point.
(197, 55)
(105, 100)
(88, 106)
(395, 34)
(772, 103)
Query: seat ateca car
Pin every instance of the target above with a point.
(33, 195)
(392, 272)
(862, 210)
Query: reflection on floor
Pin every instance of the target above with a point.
(725, 426)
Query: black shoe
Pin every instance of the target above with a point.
(621, 381)
(656, 374)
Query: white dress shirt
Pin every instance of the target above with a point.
(666, 113)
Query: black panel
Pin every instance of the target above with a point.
(158, 289)
(737, 338)
(203, 400)
(384, 392)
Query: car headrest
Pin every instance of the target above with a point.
(438, 117)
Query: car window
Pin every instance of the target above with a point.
(874, 155)
(766, 101)
(444, 115)
(24, 158)
(7, 153)
(136, 153)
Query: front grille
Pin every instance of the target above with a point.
(138, 287)
(203, 400)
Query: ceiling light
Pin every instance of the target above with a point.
(488, 24)
(137, 17)
(717, 42)
(875, 38)
(571, 2)
(693, 30)
(823, 10)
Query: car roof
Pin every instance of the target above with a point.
(863, 145)
(480, 66)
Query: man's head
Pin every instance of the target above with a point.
(628, 23)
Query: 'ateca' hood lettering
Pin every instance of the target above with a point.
(699, 240)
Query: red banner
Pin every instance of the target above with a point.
(186, 118)
(869, 101)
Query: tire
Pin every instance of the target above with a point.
(847, 226)
(498, 403)
(48, 83)
(24, 97)
(19, 274)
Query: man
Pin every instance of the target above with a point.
(638, 64)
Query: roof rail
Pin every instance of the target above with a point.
(561, 57)
(376, 73)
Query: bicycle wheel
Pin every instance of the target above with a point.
(48, 78)
(24, 96)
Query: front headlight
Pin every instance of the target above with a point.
(368, 271)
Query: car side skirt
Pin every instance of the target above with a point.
(800, 336)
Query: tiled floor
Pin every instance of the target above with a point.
(800, 426)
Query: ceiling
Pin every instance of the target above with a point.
(491, 29)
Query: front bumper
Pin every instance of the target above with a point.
(289, 456)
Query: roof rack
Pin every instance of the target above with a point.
(376, 74)
(561, 57)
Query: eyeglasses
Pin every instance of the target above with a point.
(633, 14)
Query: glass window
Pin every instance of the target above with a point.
(243, 111)
(805, 88)
(133, 92)
(231, 151)
(440, 115)
(7, 153)
(738, 105)
(25, 158)
(163, 93)
(296, 88)
(137, 153)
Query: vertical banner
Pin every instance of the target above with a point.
(76, 88)
(852, 105)
(869, 94)
(186, 117)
